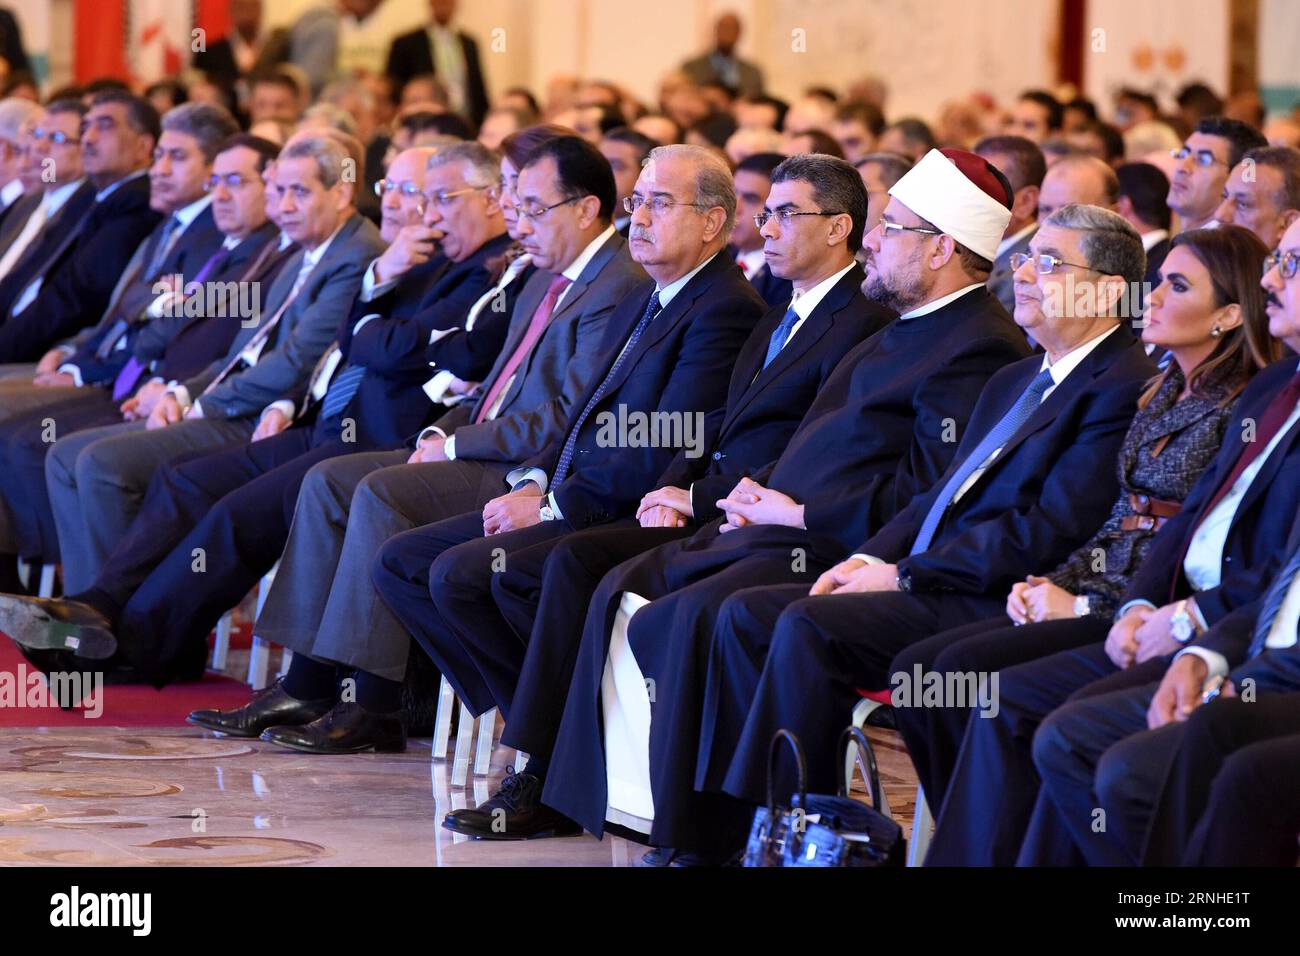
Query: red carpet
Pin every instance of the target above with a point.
(128, 705)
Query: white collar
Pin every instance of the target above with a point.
(575, 267)
(187, 214)
(937, 304)
(11, 191)
(1150, 239)
(669, 292)
(309, 259)
(1071, 360)
(803, 303)
(1012, 239)
(56, 198)
(112, 187)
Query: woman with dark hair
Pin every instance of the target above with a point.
(1208, 313)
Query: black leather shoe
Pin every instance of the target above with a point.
(57, 624)
(270, 707)
(345, 728)
(515, 812)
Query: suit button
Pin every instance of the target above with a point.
(717, 456)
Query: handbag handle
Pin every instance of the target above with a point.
(801, 766)
(865, 758)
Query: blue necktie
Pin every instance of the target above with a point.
(566, 455)
(164, 246)
(997, 436)
(1273, 603)
(782, 333)
(342, 390)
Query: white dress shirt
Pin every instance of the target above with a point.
(51, 202)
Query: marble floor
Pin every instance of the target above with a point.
(181, 797)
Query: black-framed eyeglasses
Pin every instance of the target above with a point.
(785, 214)
(231, 181)
(1202, 157)
(1044, 263)
(408, 189)
(656, 204)
(894, 228)
(538, 212)
(56, 137)
(1286, 263)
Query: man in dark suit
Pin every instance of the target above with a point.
(1022, 162)
(882, 428)
(1033, 477)
(1142, 192)
(722, 65)
(98, 477)
(1263, 193)
(190, 332)
(246, 50)
(753, 177)
(229, 504)
(1205, 566)
(671, 347)
(71, 288)
(626, 150)
(449, 54)
(323, 606)
(782, 366)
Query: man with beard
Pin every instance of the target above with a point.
(883, 428)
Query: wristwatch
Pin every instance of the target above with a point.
(1081, 606)
(904, 581)
(1181, 628)
(546, 512)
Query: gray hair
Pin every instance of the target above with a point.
(714, 185)
(335, 117)
(209, 125)
(328, 152)
(482, 165)
(13, 113)
(1110, 245)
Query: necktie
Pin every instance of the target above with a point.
(1273, 600)
(342, 390)
(652, 309)
(131, 373)
(782, 333)
(536, 326)
(1270, 423)
(997, 436)
(164, 246)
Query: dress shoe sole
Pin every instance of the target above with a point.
(383, 747)
(31, 627)
(224, 731)
(566, 829)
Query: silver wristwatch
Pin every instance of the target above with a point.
(1181, 627)
(546, 512)
(1081, 606)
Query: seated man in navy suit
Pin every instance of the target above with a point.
(753, 182)
(365, 394)
(1033, 477)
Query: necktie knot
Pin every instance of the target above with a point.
(557, 286)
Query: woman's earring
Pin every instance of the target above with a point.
(1216, 331)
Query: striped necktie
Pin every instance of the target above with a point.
(1273, 601)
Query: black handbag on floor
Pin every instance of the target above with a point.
(820, 830)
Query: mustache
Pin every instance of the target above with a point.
(640, 232)
(1271, 299)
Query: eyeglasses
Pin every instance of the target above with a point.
(538, 213)
(893, 228)
(785, 214)
(55, 136)
(1203, 157)
(232, 181)
(1284, 262)
(1045, 264)
(442, 198)
(407, 188)
(658, 205)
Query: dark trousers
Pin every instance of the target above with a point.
(540, 594)
(933, 733)
(25, 440)
(822, 651)
(210, 527)
(436, 581)
(1231, 794)
(994, 784)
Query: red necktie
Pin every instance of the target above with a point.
(1270, 423)
(536, 326)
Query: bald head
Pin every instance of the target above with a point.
(1078, 179)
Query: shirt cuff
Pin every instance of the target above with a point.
(436, 388)
(1216, 662)
(371, 287)
(1198, 616)
(429, 432)
(555, 506)
(868, 558)
(181, 394)
(518, 476)
(74, 372)
(361, 322)
(1140, 602)
(283, 405)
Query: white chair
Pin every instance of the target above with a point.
(259, 656)
(922, 820)
(486, 727)
(46, 588)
